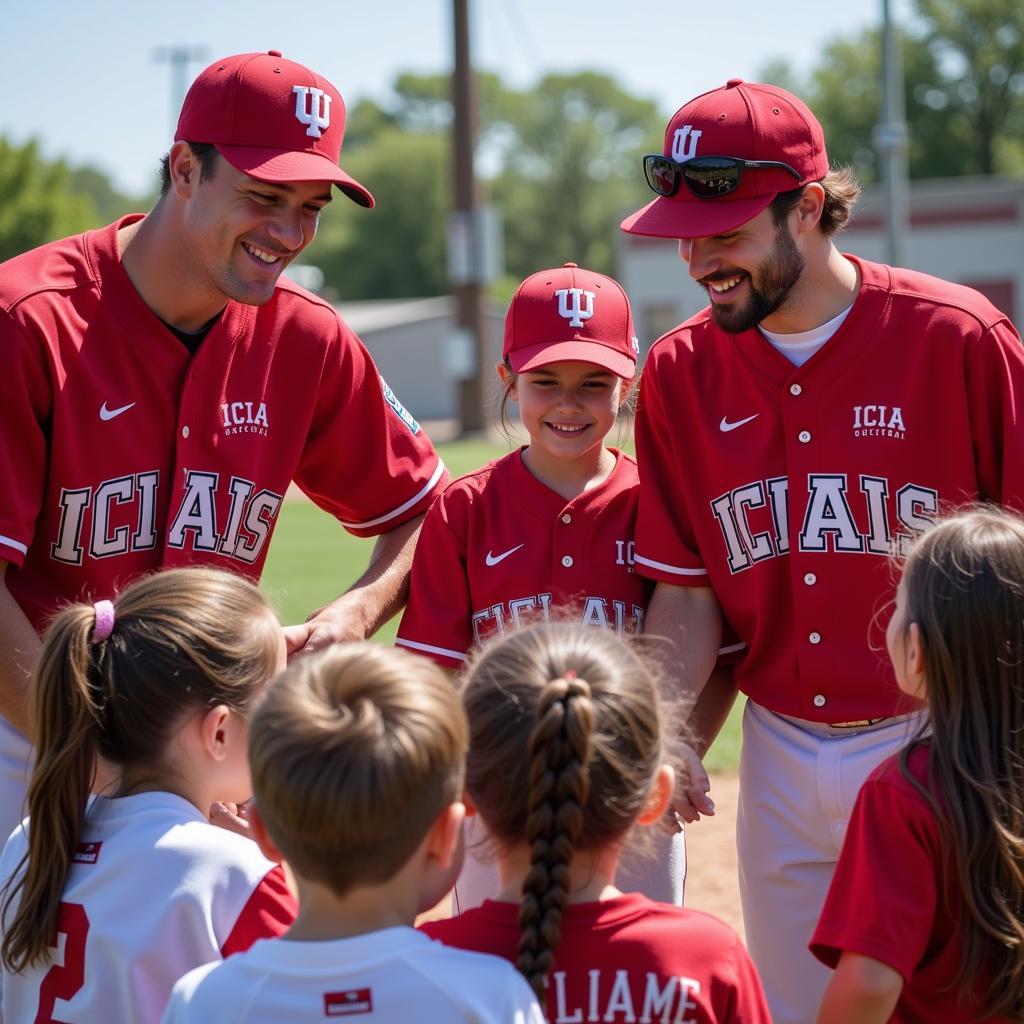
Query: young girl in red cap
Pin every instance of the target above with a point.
(547, 531)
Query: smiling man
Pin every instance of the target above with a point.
(165, 384)
(789, 437)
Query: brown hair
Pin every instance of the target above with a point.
(204, 152)
(354, 753)
(566, 739)
(182, 640)
(841, 192)
(964, 584)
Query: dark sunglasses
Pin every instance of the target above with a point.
(705, 176)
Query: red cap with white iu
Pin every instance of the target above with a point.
(571, 315)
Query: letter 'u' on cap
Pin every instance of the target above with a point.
(569, 314)
(740, 119)
(270, 118)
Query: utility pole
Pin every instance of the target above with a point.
(465, 236)
(179, 57)
(890, 140)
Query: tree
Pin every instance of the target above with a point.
(38, 203)
(569, 152)
(396, 249)
(963, 63)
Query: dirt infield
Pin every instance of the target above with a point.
(711, 856)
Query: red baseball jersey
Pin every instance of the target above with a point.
(500, 549)
(785, 488)
(894, 899)
(154, 890)
(122, 453)
(628, 959)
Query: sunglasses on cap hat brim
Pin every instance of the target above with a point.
(707, 177)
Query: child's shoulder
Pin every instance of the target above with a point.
(173, 837)
(890, 771)
(471, 485)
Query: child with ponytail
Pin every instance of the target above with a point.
(111, 899)
(924, 920)
(568, 751)
(357, 763)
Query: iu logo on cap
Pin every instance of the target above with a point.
(316, 115)
(684, 143)
(578, 310)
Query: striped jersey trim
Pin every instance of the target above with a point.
(12, 543)
(429, 649)
(395, 513)
(669, 568)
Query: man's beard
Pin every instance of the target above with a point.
(776, 278)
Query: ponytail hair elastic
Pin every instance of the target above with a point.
(104, 621)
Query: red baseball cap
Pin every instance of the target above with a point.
(741, 119)
(270, 118)
(571, 315)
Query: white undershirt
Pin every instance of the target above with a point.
(799, 347)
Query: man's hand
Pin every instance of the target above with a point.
(372, 600)
(691, 798)
(333, 624)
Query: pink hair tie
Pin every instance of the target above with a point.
(104, 621)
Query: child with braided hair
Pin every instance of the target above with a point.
(567, 753)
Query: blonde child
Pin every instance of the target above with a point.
(924, 920)
(567, 753)
(357, 758)
(112, 899)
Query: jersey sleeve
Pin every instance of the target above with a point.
(437, 621)
(366, 459)
(24, 414)
(995, 385)
(746, 1003)
(180, 1006)
(269, 912)
(665, 547)
(884, 894)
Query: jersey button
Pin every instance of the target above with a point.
(810, 579)
(815, 638)
(804, 436)
(819, 700)
(184, 432)
(567, 561)
(795, 389)
(567, 518)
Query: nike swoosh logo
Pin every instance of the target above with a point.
(495, 559)
(725, 426)
(109, 414)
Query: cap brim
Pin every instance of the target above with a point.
(280, 167)
(535, 356)
(679, 217)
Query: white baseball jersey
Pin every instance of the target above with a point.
(395, 974)
(154, 891)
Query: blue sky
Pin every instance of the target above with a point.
(82, 76)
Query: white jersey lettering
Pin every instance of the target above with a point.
(829, 522)
(197, 513)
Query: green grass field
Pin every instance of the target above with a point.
(312, 560)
